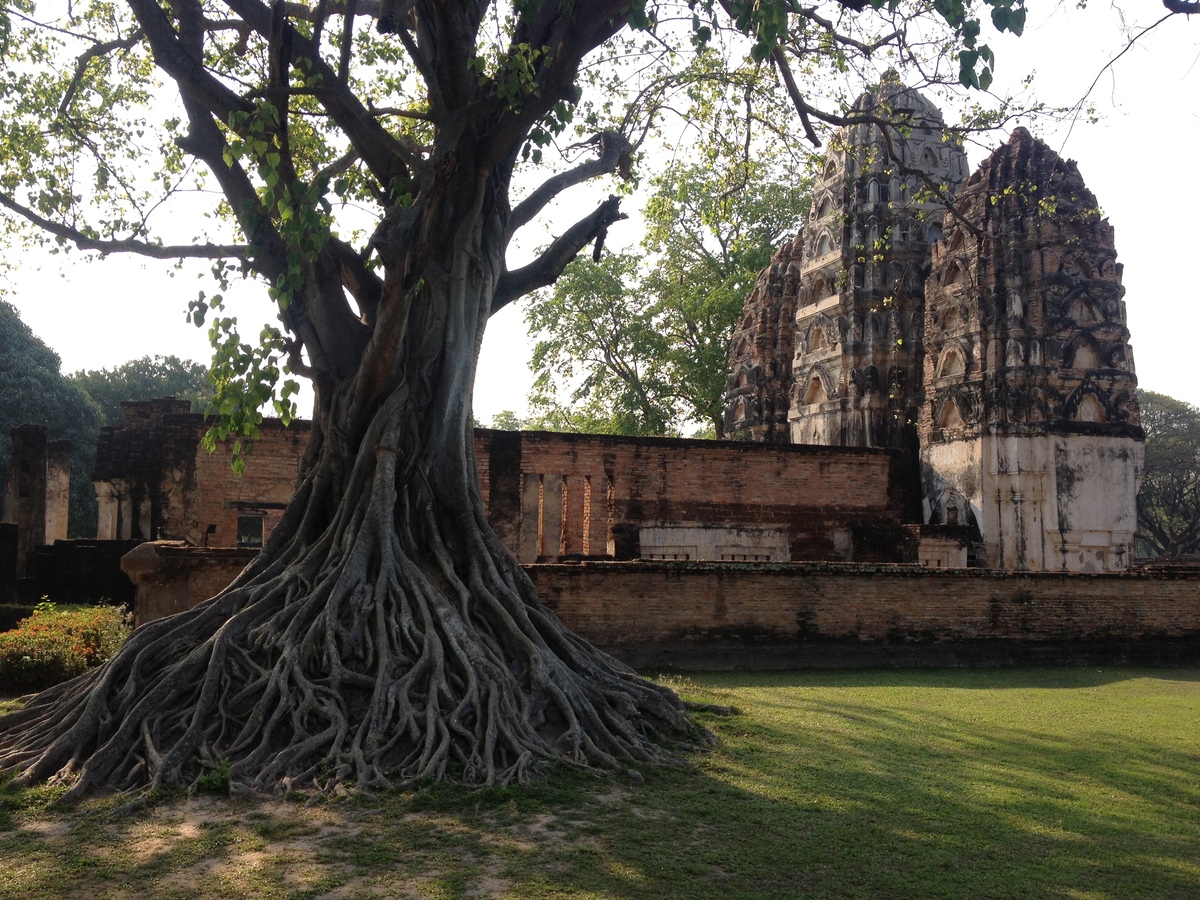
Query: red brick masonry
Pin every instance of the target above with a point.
(714, 615)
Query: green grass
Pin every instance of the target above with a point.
(1071, 783)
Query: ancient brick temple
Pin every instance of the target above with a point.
(848, 294)
(988, 339)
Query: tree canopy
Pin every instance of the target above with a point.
(1168, 504)
(638, 343)
(359, 157)
(145, 379)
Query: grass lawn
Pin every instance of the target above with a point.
(1072, 783)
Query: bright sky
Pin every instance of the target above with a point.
(1137, 162)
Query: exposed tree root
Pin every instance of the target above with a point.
(393, 647)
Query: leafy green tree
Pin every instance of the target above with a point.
(384, 634)
(1168, 504)
(32, 389)
(643, 348)
(145, 379)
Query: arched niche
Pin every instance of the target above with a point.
(824, 245)
(952, 276)
(951, 363)
(817, 339)
(950, 416)
(951, 318)
(816, 392)
(825, 207)
(1085, 356)
(1091, 410)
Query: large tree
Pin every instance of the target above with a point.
(145, 379)
(639, 343)
(1168, 504)
(384, 633)
(34, 390)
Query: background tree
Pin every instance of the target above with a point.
(32, 389)
(384, 633)
(145, 379)
(1168, 503)
(639, 344)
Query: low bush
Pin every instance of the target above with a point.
(55, 644)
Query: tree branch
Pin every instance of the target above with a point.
(546, 268)
(155, 251)
(387, 158)
(614, 157)
(86, 57)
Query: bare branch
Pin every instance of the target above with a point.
(614, 156)
(141, 248)
(793, 90)
(85, 59)
(554, 259)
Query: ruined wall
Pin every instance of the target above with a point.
(550, 496)
(202, 500)
(708, 615)
(38, 491)
(554, 495)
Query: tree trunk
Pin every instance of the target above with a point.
(384, 634)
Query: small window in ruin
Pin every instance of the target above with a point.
(825, 208)
(824, 245)
(250, 531)
(818, 341)
(952, 276)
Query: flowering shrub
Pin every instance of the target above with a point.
(54, 644)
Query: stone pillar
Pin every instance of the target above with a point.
(552, 518)
(531, 518)
(108, 512)
(25, 497)
(58, 489)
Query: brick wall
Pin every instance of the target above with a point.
(200, 496)
(563, 494)
(547, 495)
(709, 615)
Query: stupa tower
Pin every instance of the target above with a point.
(1030, 427)
(856, 372)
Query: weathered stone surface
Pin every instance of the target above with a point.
(860, 310)
(1030, 421)
(758, 394)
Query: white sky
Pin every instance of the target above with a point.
(1137, 162)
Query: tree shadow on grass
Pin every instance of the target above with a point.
(867, 787)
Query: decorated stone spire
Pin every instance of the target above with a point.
(1030, 420)
(760, 377)
(860, 309)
